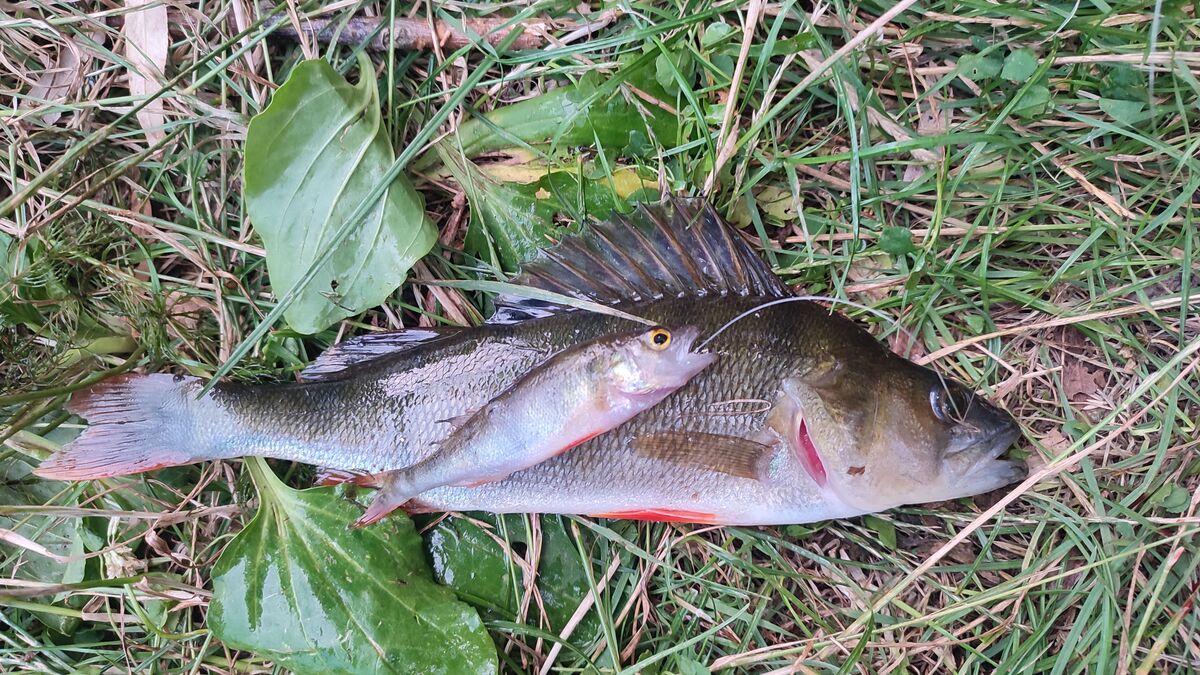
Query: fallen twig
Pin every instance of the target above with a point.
(419, 33)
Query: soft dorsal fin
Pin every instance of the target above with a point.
(675, 248)
(366, 347)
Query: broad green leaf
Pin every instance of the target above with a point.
(1033, 103)
(886, 530)
(311, 158)
(1124, 112)
(300, 587)
(57, 536)
(667, 65)
(472, 562)
(1019, 66)
(715, 32)
(1172, 497)
(591, 112)
(897, 241)
(978, 67)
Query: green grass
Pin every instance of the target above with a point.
(1051, 185)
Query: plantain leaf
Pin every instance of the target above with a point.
(311, 157)
(301, 588)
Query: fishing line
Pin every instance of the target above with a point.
(805, 298)
(824, 298)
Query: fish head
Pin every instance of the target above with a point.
(647, 365)
(879, 436)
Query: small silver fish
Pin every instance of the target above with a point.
(576, 395)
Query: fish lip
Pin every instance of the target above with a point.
(1002, 439)
(990, 448)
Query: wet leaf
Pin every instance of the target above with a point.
(472, 562)
(299, 587)
(55, 545)
(311, 158)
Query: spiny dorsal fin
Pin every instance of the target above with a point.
(675, 248)
(733, 455)
(367, 347)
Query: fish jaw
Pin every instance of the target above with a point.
(979, 469)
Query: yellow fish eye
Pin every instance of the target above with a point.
(660, 338)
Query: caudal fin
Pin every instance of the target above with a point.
(136, 423)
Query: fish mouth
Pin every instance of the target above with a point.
(685, 338)
(693, 361)
(989, 471)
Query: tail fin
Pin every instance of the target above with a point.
(137, 423)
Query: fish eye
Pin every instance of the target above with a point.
(660, 338)
(946, 405)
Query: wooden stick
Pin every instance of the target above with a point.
(420, 33)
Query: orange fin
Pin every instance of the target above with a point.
(136, 423)
(662, 516)
(733, 455)
(394, 491)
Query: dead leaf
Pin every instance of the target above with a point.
(1080, 378)
(146, 43)
(1055, 441)
(56, 83)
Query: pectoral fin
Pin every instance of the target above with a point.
(733, 455)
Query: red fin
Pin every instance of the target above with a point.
(662, 516)
(809, 457)
(327, 477)
(136, 423)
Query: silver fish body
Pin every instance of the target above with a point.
(575, 395)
